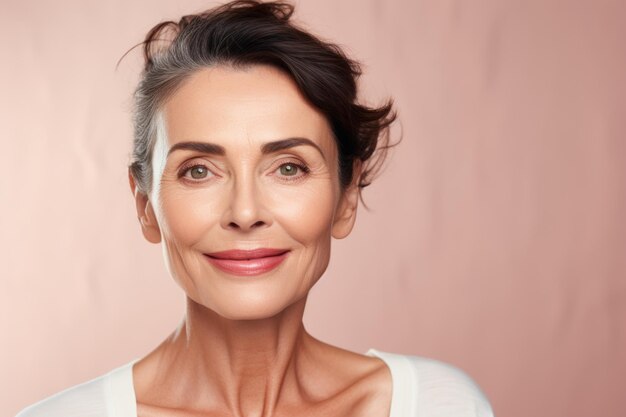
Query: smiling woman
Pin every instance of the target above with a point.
(250, 153)
(244, 162)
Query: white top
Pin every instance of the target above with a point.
(422, 387)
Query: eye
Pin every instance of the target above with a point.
(196, 172)
(289, 170)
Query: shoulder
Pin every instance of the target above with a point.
(86, 399)
(445, 390)
(99, 397)
(438, 388)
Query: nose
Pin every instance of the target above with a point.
(245, 210)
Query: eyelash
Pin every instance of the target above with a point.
(304, 168)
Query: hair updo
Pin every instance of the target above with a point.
(242, 33)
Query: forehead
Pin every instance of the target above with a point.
(232, 107)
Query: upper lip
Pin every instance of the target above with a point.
(240, 254)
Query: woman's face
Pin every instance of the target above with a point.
(220, 185)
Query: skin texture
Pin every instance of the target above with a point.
(241, 349)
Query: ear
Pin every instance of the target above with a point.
(145, 213)
(346, 209)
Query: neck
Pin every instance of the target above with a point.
(251, 366)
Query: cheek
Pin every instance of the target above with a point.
(187, 215)
(306, 216)
(186, 219)
(305, 212)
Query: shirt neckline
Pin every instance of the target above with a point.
(403, 393)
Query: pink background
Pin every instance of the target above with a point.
(496, 240)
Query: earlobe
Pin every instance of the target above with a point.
(346, 212)
(145, 213)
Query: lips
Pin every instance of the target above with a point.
(247, 262)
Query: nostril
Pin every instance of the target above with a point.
(258, 223)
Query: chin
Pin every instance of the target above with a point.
(249, 312)
(257, 304)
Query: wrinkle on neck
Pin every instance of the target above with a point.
(251, 366)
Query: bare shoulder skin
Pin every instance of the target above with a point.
(243, 162)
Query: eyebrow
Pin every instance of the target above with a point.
(267, 148)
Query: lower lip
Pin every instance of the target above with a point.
(248, 267)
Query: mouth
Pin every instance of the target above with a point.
(247, 262)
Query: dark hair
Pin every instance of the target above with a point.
(242, 33)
